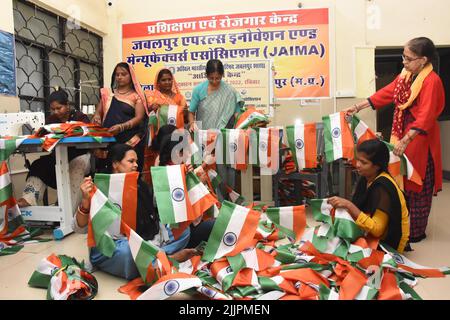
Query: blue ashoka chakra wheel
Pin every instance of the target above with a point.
(171, 287)
(208, 292)
(178, 194)
(398, 258)
(299, 144)
(172, 121)
(233, 147)
(229, 239)
(263, 146)
(336, 133)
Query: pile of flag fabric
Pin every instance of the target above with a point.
(64, 278)
(272, 254)
(13, 232)
(51, 134)
(250, 117)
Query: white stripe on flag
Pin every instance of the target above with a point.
(97, 202)
(272, 295)
(335, 122)
(235, 224)
(287, 217)
(5, 180)
(343, 214)
(263, 140)
(172, 113)
(360, 129)
(116, 186)
(197, 193)
(299, 135)
(251, 258)
(233, 141)
(176, 181)
(134, 242)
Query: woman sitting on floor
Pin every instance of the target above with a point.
(378, 205)
(42, 171)
(148, 226)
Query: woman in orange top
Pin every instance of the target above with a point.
(165, 92)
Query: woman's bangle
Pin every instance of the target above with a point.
(83, 211)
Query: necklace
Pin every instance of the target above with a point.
(123, 92)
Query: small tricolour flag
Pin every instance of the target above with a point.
(8, 145)
(303, 144)
(345, 227)
(152, 127)
(171, 194)
(321, 210)
(104, 223)
(250, 117)
(121, 189)
(338, 137)
(234, 196)
(267, 146)
(170, 285)
(5, 182)
(171, 115)
(402, 166)
(232, 148)
(200, 197)
(206, 141)
(233, 231)
(361, 130)
(252, 258)
(291, 220)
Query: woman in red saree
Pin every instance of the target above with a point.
(419, 99)
(165, 92)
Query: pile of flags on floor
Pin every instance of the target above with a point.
(272, 254)
(64, 278)
(13, 232)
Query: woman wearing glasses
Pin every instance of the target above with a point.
(419, 99)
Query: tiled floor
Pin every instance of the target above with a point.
(15, 270)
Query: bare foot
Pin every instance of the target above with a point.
(22, 203)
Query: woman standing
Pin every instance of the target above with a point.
(165, 92)
(215, 105)
(419, 98)
(123, 110)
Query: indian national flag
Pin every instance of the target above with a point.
(338, 137)
(214, 178)
(402, 166)
(268, 146)
(121, 189)
(233, 231)
(144, 254)
(104, 223)
(223, 273)
(277, 283)
(43, 273)
(414, 268)
(345, 227)
(8, 145)
(311, 235)
(5, 183)
(326, 293)
(361, 131)
(250, 117)
(233, 148)
(206, 141)
(170, 285)
(252, 258)
(152, 127)
(213, 293)
(234, 196)
(303, 145)
(171, 194)
(200, 197)
(291, 220)
(321, 210)
(171, 114)
(358, 251)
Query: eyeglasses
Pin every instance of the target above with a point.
(408, 59)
